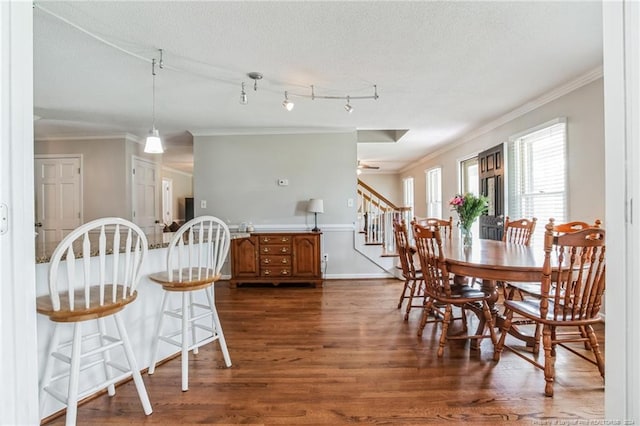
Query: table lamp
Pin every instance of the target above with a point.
(315, 206)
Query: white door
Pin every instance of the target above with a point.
(146, 197)
(58, 194)
(167, 201)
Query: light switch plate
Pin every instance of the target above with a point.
(203, 204)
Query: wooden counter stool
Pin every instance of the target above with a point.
(195, 257)
(83, 288)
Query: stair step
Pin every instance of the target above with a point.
(389, 255)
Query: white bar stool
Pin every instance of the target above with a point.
(83, 288)
(195, 257)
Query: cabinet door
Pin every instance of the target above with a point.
(306, 255)
(244, 257)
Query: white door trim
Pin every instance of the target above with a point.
(81, 189)
(18, 346)
(167, 201)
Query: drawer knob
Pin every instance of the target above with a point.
(285, 261)
(266, 239)
(267, 272)
(283, 249)
(285, 239)
(265, 250)
(284, 272)
(267, 261)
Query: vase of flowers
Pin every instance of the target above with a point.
(469, 207)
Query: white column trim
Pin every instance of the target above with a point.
(18, 346)
(621, 20)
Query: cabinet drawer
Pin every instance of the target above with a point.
(275, 260)
(275, 271)
(275, 239)
(275, 249)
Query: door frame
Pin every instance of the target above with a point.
(169, 181)
(80, 186)
(158, 208)
(18, 362)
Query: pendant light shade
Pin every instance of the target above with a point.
(154, 143)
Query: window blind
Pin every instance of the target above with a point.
(434, 192)
(537, 176)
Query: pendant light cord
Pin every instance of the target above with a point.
(153, 97)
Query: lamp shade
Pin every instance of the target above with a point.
(315, 205)
(153, 144)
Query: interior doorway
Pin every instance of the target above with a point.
(146, 196)
(167, 201)
(58, 190)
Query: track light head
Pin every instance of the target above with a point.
(287, 104)
(348, 107)
(243, 96)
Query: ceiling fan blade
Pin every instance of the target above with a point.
(367, 166)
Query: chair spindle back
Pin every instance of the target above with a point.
(518, 231)
(94, 285)
(198, 249)
(577, 288)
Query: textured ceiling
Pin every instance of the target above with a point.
(442, 69)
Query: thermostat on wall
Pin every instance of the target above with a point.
(283, 182)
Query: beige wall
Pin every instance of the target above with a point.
(182, 187)
(387, 184)
(584, 111)
(104, 174)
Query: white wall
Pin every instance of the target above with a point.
(584, 110)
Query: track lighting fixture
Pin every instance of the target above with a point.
(287, 104)
(243, 96)
(153, 145)
(348, 107)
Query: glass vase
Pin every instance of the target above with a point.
(467, 236)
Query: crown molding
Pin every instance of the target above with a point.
(176, 171)
(544, 99)
(125, 136)
(270, 131)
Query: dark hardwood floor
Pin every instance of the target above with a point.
(342, 354)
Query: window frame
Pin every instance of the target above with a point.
(519, 179)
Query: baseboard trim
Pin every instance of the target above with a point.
(357, 276)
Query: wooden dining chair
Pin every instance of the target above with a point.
(412, 276)
(571, 295)
(93, 275)
(446, 226)
(518, 231)
(438, 292)
(533, 288)
(195, 257)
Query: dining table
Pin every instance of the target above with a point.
(494, 261)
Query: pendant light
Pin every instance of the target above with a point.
(154, 143)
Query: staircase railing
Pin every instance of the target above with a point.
(376, 215)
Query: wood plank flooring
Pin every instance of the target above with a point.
(342, 354)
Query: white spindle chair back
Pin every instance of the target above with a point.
(78, 248)
(198, 250)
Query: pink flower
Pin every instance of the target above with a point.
(456, 201)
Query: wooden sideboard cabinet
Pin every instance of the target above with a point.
(281, 257)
